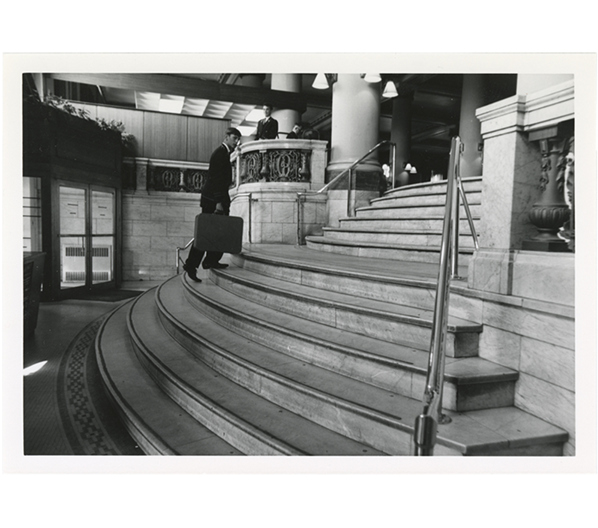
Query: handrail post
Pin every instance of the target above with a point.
(454, 196)
(350, 184)
(299, 230)
(249, 220)
(393, 152)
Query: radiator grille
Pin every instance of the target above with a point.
(79, 276)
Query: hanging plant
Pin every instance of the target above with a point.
(54, 101)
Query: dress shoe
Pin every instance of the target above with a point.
(191, 273)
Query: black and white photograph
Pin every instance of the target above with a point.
(282, 263)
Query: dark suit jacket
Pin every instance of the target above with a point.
(267, 129)
(220, 176)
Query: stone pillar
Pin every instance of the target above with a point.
(286, 82)
(470, 133)
(511, 185)
(355, 126)
(400, 132)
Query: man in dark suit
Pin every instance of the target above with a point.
(214, 199)
(267, 128)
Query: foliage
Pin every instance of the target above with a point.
(66, 106)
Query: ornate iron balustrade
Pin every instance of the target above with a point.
(275, 165)
(175, 179)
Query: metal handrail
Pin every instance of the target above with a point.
(426, 424)
(178, 253)
(349, 170)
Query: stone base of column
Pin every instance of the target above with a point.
(552, 246)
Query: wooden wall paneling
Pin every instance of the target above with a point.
(164, 136)
(133, 121)
(203, 136)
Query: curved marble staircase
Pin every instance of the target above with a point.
(295, 351)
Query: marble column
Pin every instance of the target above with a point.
(286, 82)
(511, 185)
(355, 126)
(400, 132)
(472, 98)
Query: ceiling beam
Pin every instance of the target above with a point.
(189, 87)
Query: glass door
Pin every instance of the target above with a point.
(103, 235)
(87, 236)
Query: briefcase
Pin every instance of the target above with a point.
(218, 233)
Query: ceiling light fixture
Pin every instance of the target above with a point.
(320, 82)
(390, 90)
(371, 77)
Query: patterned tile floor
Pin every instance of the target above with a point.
(65, 409)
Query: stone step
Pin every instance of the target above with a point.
(392, 322)
(427, 199)
(470, 185)
(158, 424)
(356, 233)
(220, 388)
(367, 414)
(400, 282)
(433, 224)
(381, 353)
(390, 210)
(426, 254)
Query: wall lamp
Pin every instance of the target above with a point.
(323, 81)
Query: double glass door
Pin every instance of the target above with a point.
(87, 235)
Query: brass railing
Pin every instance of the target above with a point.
(349, 170)
(426, 424)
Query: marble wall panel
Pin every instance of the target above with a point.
(550, 402)
(500, 346)
(550, 278)
(547, 362)
(166, 212)
(544, 327)
(271, 233)
(137, 243)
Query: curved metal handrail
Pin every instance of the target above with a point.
(348, 170)
(178, 253)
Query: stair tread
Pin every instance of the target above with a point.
(304, 258)
(407, 356)
(362, 243)
(257, 413)
(161, 417)
(478, 435)
(354, 229)
(338, 299)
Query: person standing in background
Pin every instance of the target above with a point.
(295, 133)
(267, 128)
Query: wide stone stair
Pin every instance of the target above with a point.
(294, 351)
(405, 224)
